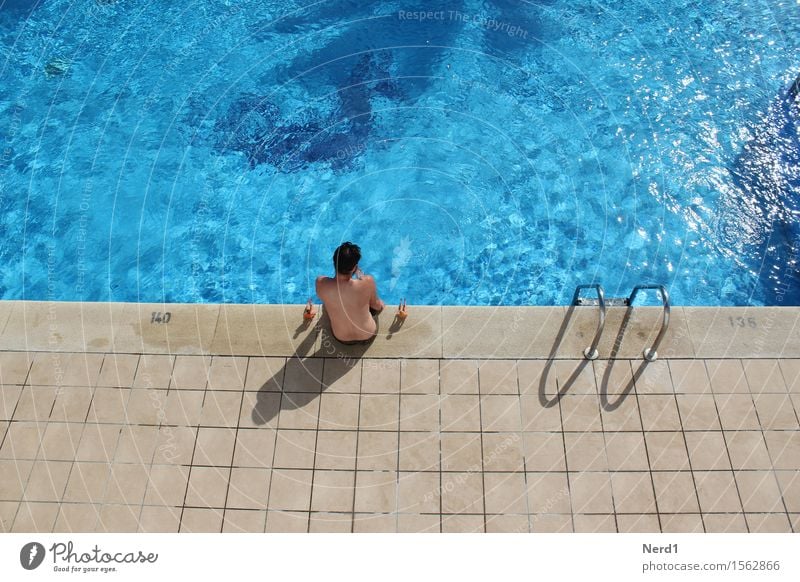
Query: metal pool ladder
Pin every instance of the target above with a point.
(650, 354)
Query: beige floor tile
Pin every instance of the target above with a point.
(35, 517)
(717, 491)
(418, 493)
(336, 450)
(9, 395)
(507, 524)
(759, 491)
(689, 377)
(626, 451)
(214, 446)
(737, 412)
(72, 404)
(682, 523)
(548, 493)
(574, 377)
(290, 490)
(175, 445)
(244, 521)
(338, 411)
(420, 412)
(287, 522)
(538, 417)
(249, 488)
(768, 523)
(265, 374)
(199, 520)
(118, 370)
(789, 482)
(529, 377)
(633, 492)
(119, 518)
(585, 452)
(698, 412)
(47, 481)
(35, 403)
(154, 371)
(13, 477)
(645, 523)
(707, 450)
(342, 375)
(376, 492)
(221, 408)
(544, 451)
(500, 413)
(459, 377)
(418, 523)
(748, 450)
(60, 441)
(764, 376)
(22, 440)
(294, 449)
(189, 331)
(183, 407)
(374, 523)
(503, 452)
(207, 487)
(419, 377)
(87, 482)
(137, 444)
(77, 518)
(784, 449)
(377, 451)
(379, 412)
(146, 406)
(160, 519)
(675, 493)
(461, 452)
(795, 519)
(654, 378)
(775, 411)
(332, 491)
(595, 523)
(659, 412)
(126, 484)
(727, 376)
(254, 448)
(380, 376)
(725, 523)
(621, 414)
(166, 485)
(303, 375)
(551, 523)
(187, 373)
(462, 493)
(320, 522)
(463, 524)
(460, 412)
(260, 409)
(99, 442)
(591, 493)
(65, 369)
(505, 493)
(667, 451)
(791, 374)
(227, 373)
(498, 377)
(108, 405)
(614, 377)
(14, 367)
(419, 451)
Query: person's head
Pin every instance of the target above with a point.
(346, 257)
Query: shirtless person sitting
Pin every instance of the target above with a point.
(350, 303)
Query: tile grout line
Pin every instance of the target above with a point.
(274, 444)
(522, 446)
(399, 429)
(235, 440)
(439, 392)
(647, 452)
(605, 442)
(194, 446)
(358, 440)
(564, 443)
(483, 454)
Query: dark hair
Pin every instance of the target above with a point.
(346, 257)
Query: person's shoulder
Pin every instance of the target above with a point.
(368, 279)
(322, 279)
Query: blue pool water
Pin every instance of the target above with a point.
(482, 153)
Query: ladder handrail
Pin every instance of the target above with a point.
(591, 352)
(650, 354)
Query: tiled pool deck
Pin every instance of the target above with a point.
(241, 418)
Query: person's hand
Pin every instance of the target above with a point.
(309, 312)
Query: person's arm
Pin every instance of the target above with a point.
(374, 301)
(318, 286)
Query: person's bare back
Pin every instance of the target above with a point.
(350, 303)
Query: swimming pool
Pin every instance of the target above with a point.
(481, 153)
